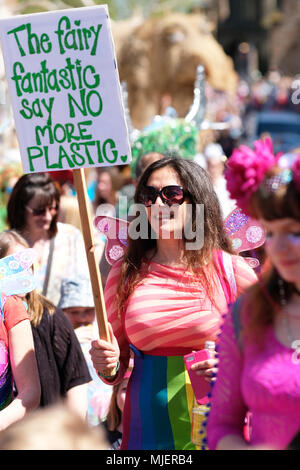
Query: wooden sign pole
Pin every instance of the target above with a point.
(88, 236)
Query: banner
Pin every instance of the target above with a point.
(65, 91)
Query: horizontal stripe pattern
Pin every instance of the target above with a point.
(168, 309)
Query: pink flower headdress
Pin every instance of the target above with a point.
(246, 170)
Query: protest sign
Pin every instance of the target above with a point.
(66, 97)
(65, 91)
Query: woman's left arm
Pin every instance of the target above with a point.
(25, 374)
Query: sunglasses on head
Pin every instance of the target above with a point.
(169, 195)
(42, 210)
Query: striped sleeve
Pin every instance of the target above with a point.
(245, 276)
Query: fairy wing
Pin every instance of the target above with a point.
(15, 277)
(245, 233)
(18, 284)
(17, 262)
(116, 232)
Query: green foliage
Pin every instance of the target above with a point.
(174, 136)
(118, 9)
(29, 6)
(27, 10)
(74, 3)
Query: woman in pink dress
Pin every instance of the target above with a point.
(259, 349)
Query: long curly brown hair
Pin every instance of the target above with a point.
(197, 184)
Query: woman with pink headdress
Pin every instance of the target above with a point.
(259, 360)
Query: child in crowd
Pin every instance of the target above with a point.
(113, 423)
(77, 302)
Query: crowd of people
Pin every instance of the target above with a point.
(179, 284)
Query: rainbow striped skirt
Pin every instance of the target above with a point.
(158, 407)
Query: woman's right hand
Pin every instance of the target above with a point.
(105, 355)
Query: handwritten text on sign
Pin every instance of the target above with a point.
(65, 90)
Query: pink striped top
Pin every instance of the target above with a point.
(170, 309)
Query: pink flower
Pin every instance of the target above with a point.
(246, 169)
(296, 173)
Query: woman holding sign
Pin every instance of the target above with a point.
(164, 299)
(33, 212)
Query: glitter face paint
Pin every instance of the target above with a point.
(292, 238)
(283, 247)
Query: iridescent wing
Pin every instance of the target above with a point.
(17, 262)
(15, 277)
(116, 232)
(245, 233)
(18, 284)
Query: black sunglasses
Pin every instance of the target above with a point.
(42, 210)
(169, 195)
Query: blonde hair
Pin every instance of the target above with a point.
(36, 302)
(114, 415)
(55, 427)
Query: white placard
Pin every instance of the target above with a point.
(65, 89)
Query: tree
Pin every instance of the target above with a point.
(118, 9)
